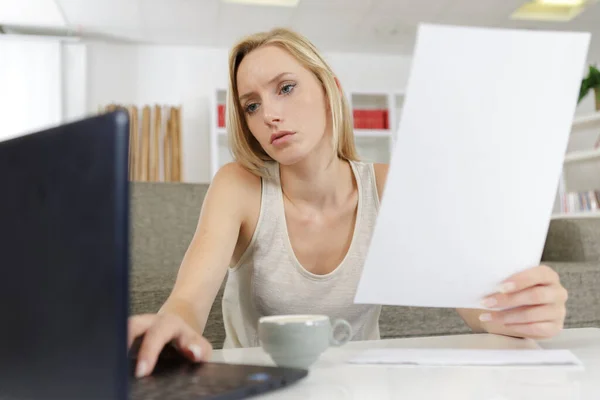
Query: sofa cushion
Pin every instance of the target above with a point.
(163, 221)
(573, 240)
(582, 281)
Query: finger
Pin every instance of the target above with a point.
(540, 275)
(537, 330)
(536, 295)
(154, 341)
(194, 346)
(136, 326)
(530, 314)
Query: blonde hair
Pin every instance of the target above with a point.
(245, 148)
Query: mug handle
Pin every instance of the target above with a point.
(346, 327)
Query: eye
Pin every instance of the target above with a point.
(287, 89)
(251, 108)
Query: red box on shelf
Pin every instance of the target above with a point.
(370, 119)
(386, 120)
(358, 119)
(221, 115)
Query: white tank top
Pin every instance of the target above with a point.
(269, 280)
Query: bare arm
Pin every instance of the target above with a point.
(223, 219)
(211, 249)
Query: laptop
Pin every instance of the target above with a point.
(64, 237)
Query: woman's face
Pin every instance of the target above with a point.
(284, 104)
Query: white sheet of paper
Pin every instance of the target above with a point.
(467, 357)
(476, 164)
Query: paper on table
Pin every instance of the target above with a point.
(443, 357)
(476, 164)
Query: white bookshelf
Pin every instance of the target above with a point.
(582, 156)
(373, 145)
(590, 120)
(219, 148)
(577, 215)
(581, 169)
(376, 145)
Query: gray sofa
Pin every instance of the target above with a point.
(164, 217)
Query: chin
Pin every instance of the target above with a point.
(288, 159)
(289, 155)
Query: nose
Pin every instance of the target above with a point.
(271, 113)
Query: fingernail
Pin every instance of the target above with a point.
(507, 287)
(142, 367)
(196, 351)
(489, 302)
(485, 317)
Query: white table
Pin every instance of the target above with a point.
(332, 378)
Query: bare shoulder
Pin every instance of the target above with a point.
(233, 182)
(381, 171)
(234, 174)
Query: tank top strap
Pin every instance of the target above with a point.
(367, 184)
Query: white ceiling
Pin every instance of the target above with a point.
(384, 26)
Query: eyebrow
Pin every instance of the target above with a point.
(278, 76)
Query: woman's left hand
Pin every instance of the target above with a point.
(532, 302)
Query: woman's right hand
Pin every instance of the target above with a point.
(160, 330)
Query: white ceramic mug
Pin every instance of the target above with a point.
(299, 340)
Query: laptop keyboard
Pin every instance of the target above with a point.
(182, 387)
(209, 381)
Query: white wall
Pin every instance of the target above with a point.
(187, 76)
(30, 85)
(74, 81)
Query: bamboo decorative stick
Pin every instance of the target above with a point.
(177, 148)
(154, 146)
(145, 146)
(173, 138)
(132, 142)
(167, 150)
(157, 140)
(174, 147)
(135, 145)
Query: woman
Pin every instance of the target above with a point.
(292, 217)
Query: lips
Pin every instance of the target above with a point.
(279, 135)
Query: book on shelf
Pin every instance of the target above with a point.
(580, 201)
(370, 119)
(221, 115)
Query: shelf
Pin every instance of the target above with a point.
(577, 215)
(359, 133)
(585, 120)
(581, 156)
(369, 100)
(374, 133)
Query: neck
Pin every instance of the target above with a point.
(320, 180)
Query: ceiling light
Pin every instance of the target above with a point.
(551, 10)
(277, 3)
(572, 3)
